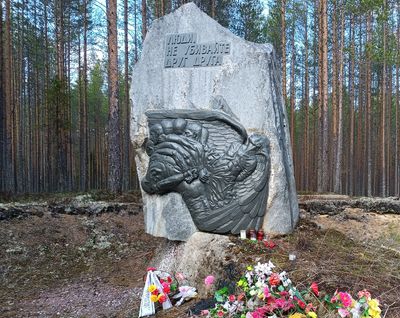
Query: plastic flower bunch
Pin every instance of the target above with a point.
(364, 306)
(157, 295)
(271, 293)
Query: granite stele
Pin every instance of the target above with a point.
(210, 131)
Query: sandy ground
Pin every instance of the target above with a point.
(92, 265)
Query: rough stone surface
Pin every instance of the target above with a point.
(248, 81)
(203, 254)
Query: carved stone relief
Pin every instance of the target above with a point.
(207, 157)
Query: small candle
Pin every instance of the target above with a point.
(292, 257)
(243, 235)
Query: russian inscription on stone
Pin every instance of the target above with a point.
(210, 131)
(182, 50)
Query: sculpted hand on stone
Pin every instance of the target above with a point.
(207, 157)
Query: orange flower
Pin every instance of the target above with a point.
(274, 279)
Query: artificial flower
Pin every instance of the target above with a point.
(153, 298)
(161, 298)
(343, 312)
(220, 313)
(209, 280)
(314, 288)
(231, 298)
(152, 288)
(151, 269)
(364, 293)
(297, 315)
(345, 299)
(204, 312)
(274, 279)
(266, 292)
(301, 304)
(312, 314)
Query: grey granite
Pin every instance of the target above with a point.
(246, 85)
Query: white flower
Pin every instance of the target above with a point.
(264, 269)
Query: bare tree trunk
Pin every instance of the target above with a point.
(323, 171)
(397, 132)
(114, 147)
(292, 95)
(9, 166)
(351, 107)
(144, 19)
(283, 43)
(126, 154)
(339, 151)
(383, 114)
(3, 148)
(83, 129)
(306, 105)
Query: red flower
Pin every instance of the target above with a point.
(155, 292)
(274, 279)
(232, 298)
(151, 269)
(169, 279)
(241, 296)
(314, 288)
(220, 313)
(284, 293)
(301, 304)
(162, 298)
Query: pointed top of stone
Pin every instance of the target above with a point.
(191, 64)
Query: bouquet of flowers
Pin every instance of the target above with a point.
(264, 292)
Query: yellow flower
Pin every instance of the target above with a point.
(152, 288)
(154, 298)
(373, 303)
(249, 268)
(312, 314)
(261, 295)
(297, 315)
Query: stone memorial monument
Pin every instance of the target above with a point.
(210, 131)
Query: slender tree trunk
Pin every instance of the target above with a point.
(292, 94)
(126, 154)
(114, 147)
(368, 105)
(323, 171)
(283, 43)
(3, 148)
(351, 109)
(383, 114)
(144, 19)
(334, 95)
(9, 166)
(339, 151)
(84, 163)
(306, 105)
(397, 132)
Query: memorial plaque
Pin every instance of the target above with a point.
(210, 131)
(182, 50)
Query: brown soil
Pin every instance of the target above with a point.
(61, 265)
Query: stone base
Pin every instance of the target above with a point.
(202, 255)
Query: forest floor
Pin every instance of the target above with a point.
(75, 257)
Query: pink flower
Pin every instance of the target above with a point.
(232, 298)
(266, 292)
(220, 313)
(204, 312)
(364, 293)
(209, 280)
(346, 299)
(343, 312)
(280, 302)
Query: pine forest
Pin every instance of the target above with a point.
(65, 74)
